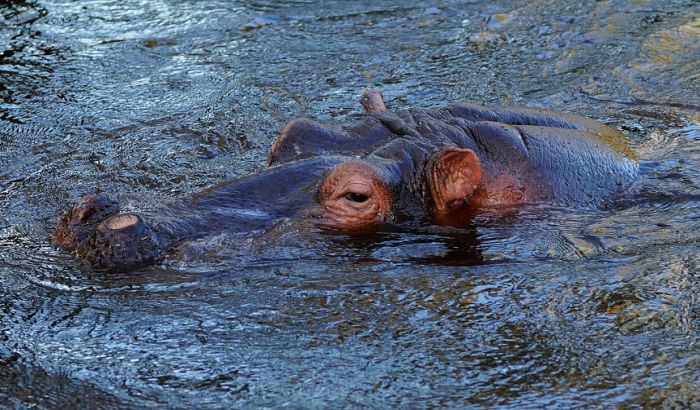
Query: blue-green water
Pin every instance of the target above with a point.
(550, 308)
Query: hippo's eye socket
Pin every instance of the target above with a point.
(355, 197)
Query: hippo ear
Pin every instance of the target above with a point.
(453, 174)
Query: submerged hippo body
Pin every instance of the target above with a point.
(387, 167)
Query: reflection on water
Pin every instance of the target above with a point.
(541, 307)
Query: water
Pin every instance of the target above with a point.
(543, 307)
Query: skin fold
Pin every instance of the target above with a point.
(444, 162)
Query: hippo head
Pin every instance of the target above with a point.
(345, 181)
(389, 167)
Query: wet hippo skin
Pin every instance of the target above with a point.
(388, 167)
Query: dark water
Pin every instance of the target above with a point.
(547, 308)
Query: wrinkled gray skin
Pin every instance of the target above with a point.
(558, 158)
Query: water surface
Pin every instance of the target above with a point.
(546, 307)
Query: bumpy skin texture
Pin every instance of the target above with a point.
(386, 167)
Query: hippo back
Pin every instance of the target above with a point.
(579, 167)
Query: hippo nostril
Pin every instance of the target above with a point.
(93, 208)
(85, 214)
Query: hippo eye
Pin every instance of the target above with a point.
(355, 197)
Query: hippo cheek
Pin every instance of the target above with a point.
(353, 196)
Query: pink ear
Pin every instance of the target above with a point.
(453, 174)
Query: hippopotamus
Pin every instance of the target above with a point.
(385, 168)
